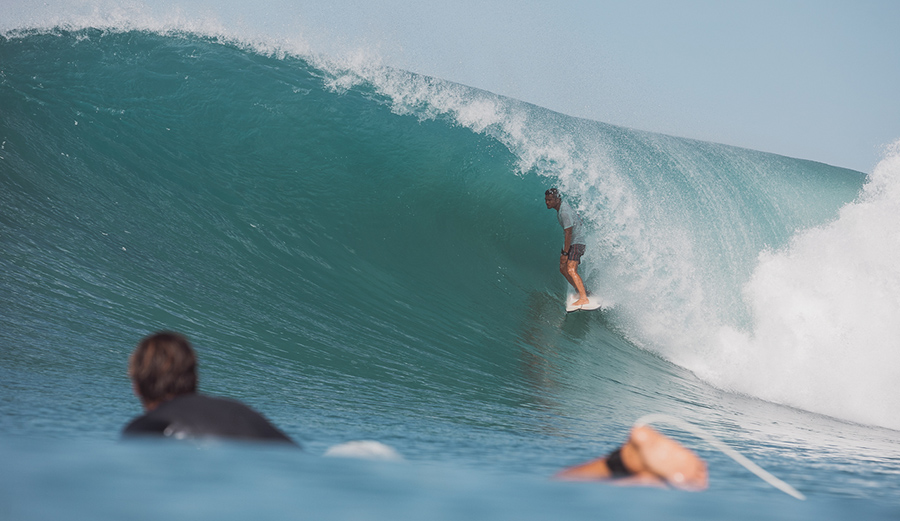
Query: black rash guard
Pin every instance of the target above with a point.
(199, 416)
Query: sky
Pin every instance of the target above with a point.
(817, 80)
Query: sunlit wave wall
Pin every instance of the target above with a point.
(158, 176)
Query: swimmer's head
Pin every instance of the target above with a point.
(162, 367)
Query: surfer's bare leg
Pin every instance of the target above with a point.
(567, 273)
(575, 280)
(647, 458)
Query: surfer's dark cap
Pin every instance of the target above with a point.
(552, 192)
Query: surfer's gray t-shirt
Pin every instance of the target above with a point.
(568, 218)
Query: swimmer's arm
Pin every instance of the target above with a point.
(598, 470)
(592, 470)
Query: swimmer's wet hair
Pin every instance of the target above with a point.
(553, 192)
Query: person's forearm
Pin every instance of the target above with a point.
(567, 242)
(592, 470)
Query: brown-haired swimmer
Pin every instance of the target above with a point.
(163, 371)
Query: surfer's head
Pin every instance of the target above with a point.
(162, 367)
(552, 199)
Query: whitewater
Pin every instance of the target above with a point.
(362, 252)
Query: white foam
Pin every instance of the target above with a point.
(826, 315)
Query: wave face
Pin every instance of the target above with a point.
(355, 238)
(176, 177)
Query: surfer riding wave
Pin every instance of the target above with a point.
(573, 242)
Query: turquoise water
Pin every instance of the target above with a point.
(363, 253)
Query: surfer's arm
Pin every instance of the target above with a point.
(567, 242)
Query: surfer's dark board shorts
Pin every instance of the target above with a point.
(575, 252)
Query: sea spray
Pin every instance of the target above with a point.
(826, 314)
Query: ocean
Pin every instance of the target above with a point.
(363, 253)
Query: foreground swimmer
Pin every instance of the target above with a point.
(647, 458)
(163, 371)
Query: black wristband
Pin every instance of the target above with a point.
(565, 252)
(615, 465)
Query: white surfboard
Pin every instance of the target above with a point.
(594, 302)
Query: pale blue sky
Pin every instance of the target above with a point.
(811, 79)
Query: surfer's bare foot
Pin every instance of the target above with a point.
(580, 302)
